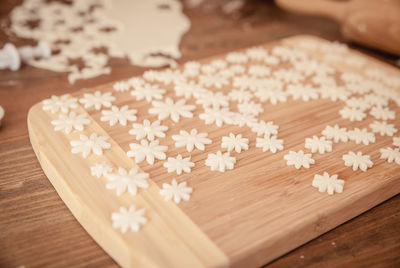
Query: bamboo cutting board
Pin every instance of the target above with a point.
(244, 217)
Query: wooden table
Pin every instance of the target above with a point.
(36, 227)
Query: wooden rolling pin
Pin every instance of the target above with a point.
(374, 23)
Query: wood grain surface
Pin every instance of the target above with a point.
(38, 230)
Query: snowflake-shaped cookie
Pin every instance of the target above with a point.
(263, 128)
(170, 109)
(101, 169)
(319, 145)
(357, 161)
(334, 93)
(382, 113)
(128, 219)
(298, 159)
(361, 136)
(191, 140)
(327, 183)
(179, 164)
(97, 100)
(271, 143)
(148, 151)
(390, 154)
(69, 122)
(220, 161)
(336, 133)
(149, 130)
(62, 103)
(176, 191)
(353, 114)
(383, 128)
(86, 145)
(219, 116)
(235, 142)
(121, 115)
(124, 180)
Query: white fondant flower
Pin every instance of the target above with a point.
(211, 80)
(298, 159)
(190, 89)
(246, 82)
(69, 122)
(319, 145)
(121, 115)
(251, 108)
(176, 191)
(336, 133)
(241, 120)
(357, 161)
(327, 183)
(353, 114)
(179, 164)
(240, 95)
(236, 57)
(123, 180)
(121, 86)
(288, 76)
(259, 70)
(306, 93)
(208, 69)
(396, 141)
(219, 116)
(219, 64)
(383, 128)
(382, 113)
(148, 92)
(100, 169)
(390, 154)
(62, 103)
(271, 143)
(359, 103)
(220, 161)
(235, 142)
(170, 109)
(215, 100)
(263, 128)
(148, 151)
(136, 82)
(191, 140)
(128, 219)
(256, 53)
(273, 96)
(149, 130)
(86, 145)
(237, 69)
(361, 136)
(334, 93)
(97, 100)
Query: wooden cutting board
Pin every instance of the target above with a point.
(243, 217)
